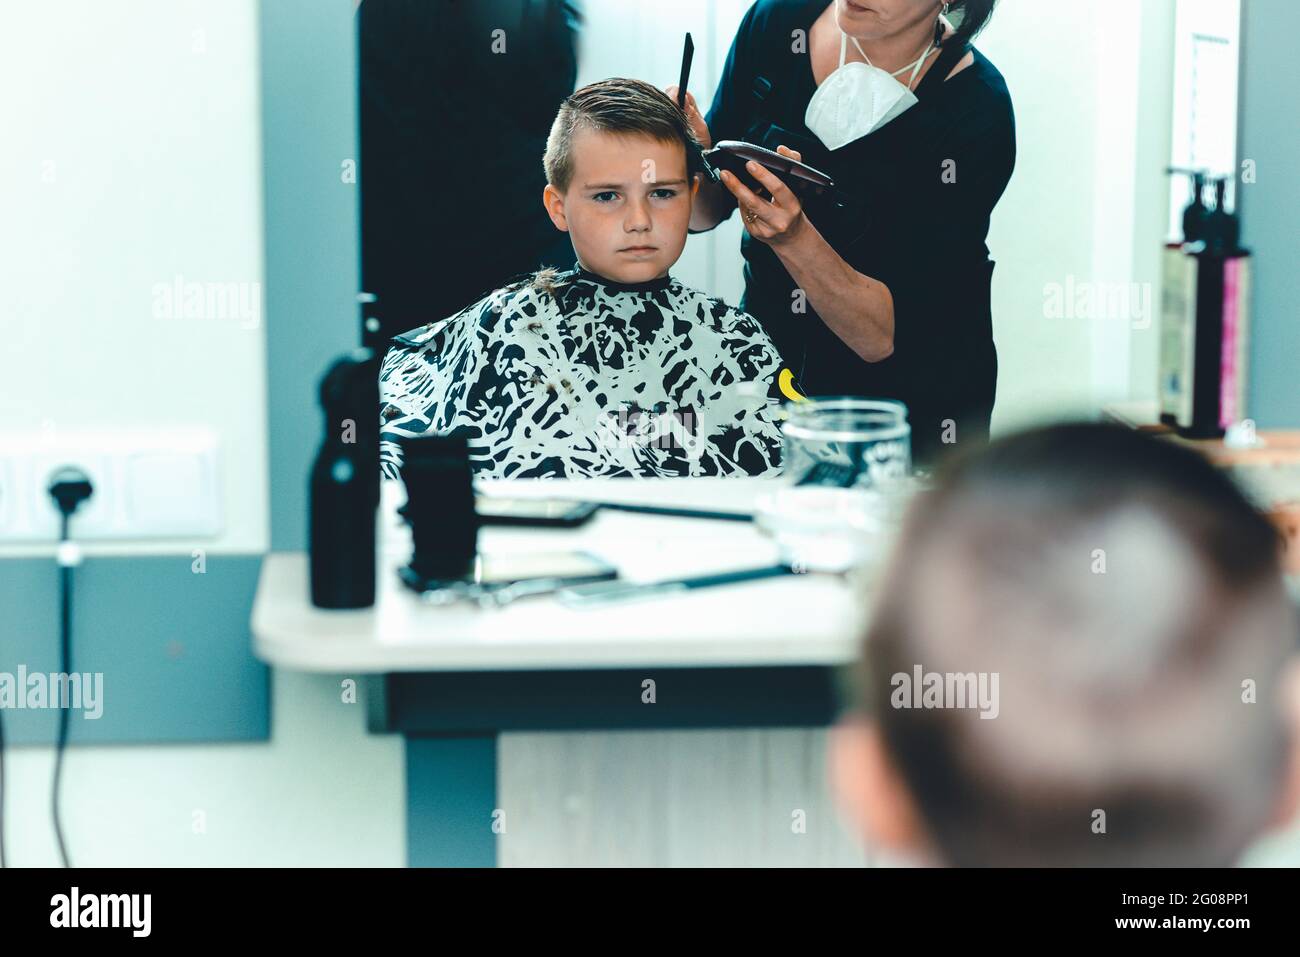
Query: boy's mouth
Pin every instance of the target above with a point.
(638, 249)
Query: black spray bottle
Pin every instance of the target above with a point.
(344, 489)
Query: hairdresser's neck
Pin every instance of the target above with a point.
(897, 50)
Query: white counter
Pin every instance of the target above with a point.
(793, 620)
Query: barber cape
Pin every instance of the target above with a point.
(572, 375)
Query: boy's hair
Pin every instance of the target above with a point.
(620, 106)
(1131, 602)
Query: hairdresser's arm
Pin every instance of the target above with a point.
(713, 204)
(857, 308)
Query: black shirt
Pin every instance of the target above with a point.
(913, 213)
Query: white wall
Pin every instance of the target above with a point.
(132, 154)
(131, 157)
(1151, 200)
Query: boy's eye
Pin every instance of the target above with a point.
(608, 196)
(664, 193)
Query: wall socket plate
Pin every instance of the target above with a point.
(148, 484)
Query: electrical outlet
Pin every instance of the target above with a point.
(147, 484)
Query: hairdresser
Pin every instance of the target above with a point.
(881, 289)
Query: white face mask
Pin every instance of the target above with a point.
(859, 98)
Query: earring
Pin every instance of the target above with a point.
(938, 27)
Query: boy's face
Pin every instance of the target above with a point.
(627, 206)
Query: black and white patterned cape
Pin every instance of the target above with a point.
(576, 376)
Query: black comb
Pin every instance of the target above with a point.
(695, 162)
(688, 54)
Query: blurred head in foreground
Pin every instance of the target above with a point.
(1080, 655)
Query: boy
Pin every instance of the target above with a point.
(1113, 612)
(612, 367)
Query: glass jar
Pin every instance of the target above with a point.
(847, 442)
(845, 482)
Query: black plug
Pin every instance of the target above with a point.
(69, 487)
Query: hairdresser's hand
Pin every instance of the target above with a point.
(775, 221)
(693, 117)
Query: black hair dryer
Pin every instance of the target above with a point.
(344, 485)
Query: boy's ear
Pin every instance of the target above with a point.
(696, 179)
(553, 200)
(1288, 802)
(869, 790)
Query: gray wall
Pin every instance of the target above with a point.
(313, 263)
(1271, 137)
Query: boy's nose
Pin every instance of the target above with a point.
(638, 218)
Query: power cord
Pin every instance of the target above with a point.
(2, 789)
(69, 487)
